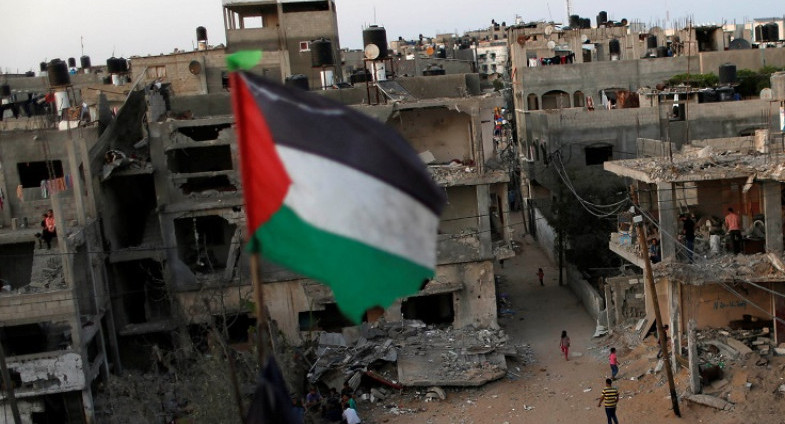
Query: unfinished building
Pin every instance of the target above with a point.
(56, 325)
(708, 285)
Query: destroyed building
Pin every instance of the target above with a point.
(56, 323)
(710, 285)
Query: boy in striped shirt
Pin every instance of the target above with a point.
(609, 398)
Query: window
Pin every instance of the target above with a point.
(305, 46)
(597, 154)
(485, 68)
(32, 173)
(493, 67)
(155, 72)
(493, 56)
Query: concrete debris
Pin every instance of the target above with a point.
(757, 267)
(434, 393)
(710, 401)
(425, 356)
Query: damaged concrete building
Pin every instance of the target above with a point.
(587, 95)
(710, 286)
(56, 325)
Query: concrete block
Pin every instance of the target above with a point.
(740, 347)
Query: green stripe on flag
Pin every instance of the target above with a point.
(360, 275)
(243, 60)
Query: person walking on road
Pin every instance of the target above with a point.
(564, 345)
(609, 398)
(614, 361)
(540, 275)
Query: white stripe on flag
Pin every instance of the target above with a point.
(346, 202)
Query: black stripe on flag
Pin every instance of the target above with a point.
(318, 125)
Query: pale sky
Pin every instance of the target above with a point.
(32, 31)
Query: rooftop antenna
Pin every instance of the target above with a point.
(569, 9)
(81, 41)
(549, 11)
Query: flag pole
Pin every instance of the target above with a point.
(261, 317)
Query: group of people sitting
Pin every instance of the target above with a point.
(333, 408)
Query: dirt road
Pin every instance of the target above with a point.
(549, 390)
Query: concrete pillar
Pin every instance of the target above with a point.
(674, 298)
(668, 223)
(87, 403)
(76, 180)
(610, 308)
(772, 208)
(692, 347)
(484, 221)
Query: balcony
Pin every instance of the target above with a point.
(626, 246)
(46, 373)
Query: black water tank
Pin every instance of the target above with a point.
(322, 53)
(42, 67)
(651, 42)
(71, 62)
(5, 90)
(441, 54)
(585, 23)
(29, 74)
(433, 71)
(774, 31)
(116, 65)
(112, 65)
(759, 36)
(739, 44)
(662, 51)
(297, 81)
(725, 94)
(58, 73)
(602, 18)
(85, 62)
(376, 35)
(201, 33)
(575, 21)
(360, 75)
(614, 46)
(727, 73)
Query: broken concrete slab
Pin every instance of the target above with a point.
(435, 392)
(710, 401)
(740, 347)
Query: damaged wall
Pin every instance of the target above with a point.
(445, 133)
(713, 306)
(45, 374)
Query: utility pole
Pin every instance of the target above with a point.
(649, 277)
(9, 388)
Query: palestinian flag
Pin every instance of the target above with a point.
(334, 195)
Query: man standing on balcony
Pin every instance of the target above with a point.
(733, 226)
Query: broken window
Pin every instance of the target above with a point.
(40, 337)
(203, 132)
(16, 264)
(142, 290)
(204, 242)
(32, 173)
(236, 326)
(200, 159)
(432, 310)
(330, 319)
(532, 102)
(200, 184)
(305, 6)
(598, 154)
(131, 219)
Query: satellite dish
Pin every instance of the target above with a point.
(371, 51)
(766, 94)
(195, 67)
(584, 38)
(548, 29)
(551, 44)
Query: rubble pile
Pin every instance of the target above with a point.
(727, 268)
(425, 356)
(726, 346)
